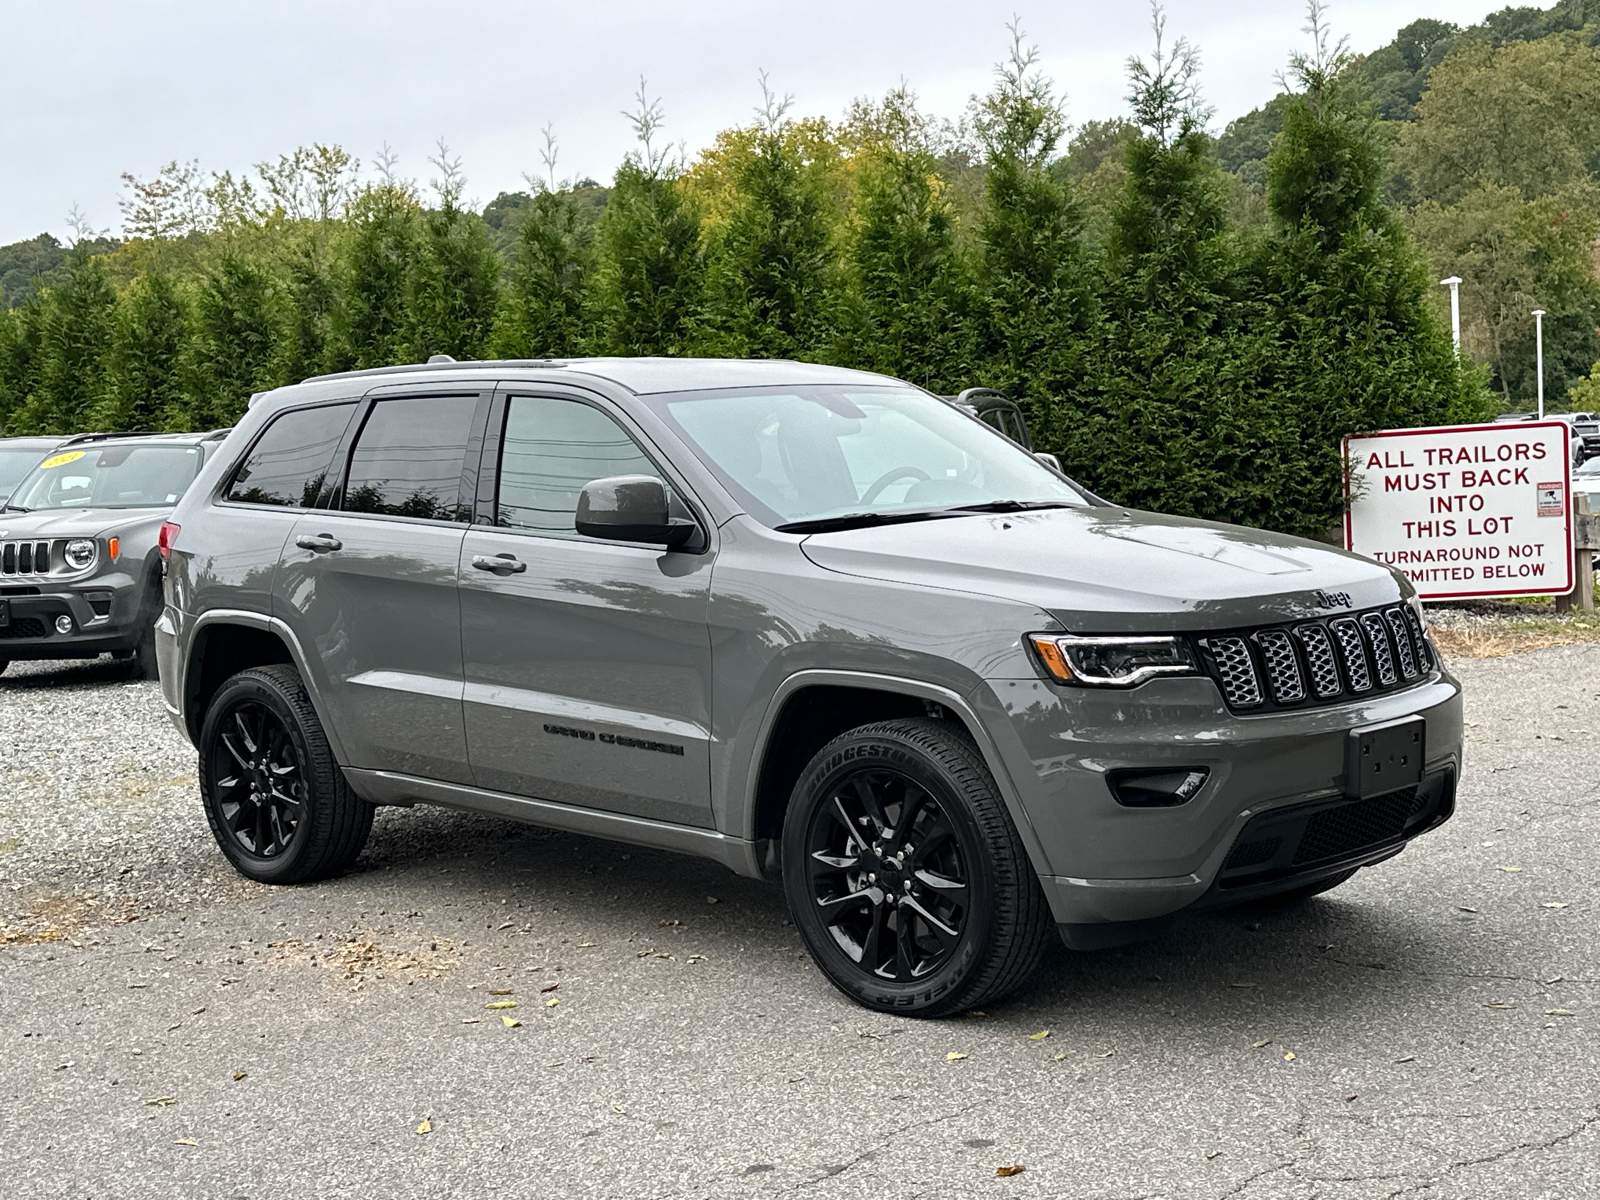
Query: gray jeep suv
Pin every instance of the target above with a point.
(812, 623)
(79, 569)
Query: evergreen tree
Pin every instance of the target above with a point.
(67, 362)
(236, 352)
(774, 265)
(384, 244)
(650, 271)
(542, 307)
(452, 288)
(145, 361)
(311, 301)
(1357, 345)
(21, 332)
(906, 310)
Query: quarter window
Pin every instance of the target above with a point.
(552, 450)
(290, 462)
(408, 458)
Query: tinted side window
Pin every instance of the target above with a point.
(290, 462)
(408, 457)
(552, 449)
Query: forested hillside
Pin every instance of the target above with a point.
(1193, 322)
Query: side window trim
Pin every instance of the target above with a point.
(230, 476)
(489, 474)
(333, 497)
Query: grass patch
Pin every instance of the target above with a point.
(1515, 637)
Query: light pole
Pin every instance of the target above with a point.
(1454, 284)
(1538, 337)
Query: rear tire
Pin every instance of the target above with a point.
(905, 874)
(277, 803)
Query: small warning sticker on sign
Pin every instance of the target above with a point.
(1552, 499)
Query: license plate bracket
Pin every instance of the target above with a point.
(1383, 758)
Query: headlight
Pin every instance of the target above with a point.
(1112, 661)
(81, 554)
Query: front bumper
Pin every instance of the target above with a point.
(103, 611)
(1100, 862)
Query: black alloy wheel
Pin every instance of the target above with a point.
(905, 874)
(278, 805)
(258, 777)
(886, 872)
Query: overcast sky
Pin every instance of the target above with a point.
(93, 88)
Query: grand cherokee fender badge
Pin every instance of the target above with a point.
(614, 739)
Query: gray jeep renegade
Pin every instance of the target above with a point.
(79, 570)
(812, 623)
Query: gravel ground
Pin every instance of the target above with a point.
(169, 1029)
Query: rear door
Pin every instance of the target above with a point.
(588, 662)
(369, 583)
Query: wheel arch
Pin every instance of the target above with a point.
(811, 708)
(223, 643)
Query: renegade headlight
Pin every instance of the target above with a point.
(1111, 661)
(81, 553)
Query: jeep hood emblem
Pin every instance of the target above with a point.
(1331, 599)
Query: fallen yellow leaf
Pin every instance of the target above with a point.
(1508, 870)
(1289, 1057)
(163, 1101)
(1557, 1012)
(500, 992)
(954, 1056)
(510, 1022)
(1040, 1036)
(553, 1002)
(1061, 1056)
(1013, 1169)
(501, 1004)
(425, 1127)
(185, 1142)
(1261, 1043)
(1552, 904)
(238, 1075)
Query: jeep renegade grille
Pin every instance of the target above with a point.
(1318, 662)
(24, 558)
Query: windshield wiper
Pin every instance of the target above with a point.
(1005, 506)
(861, 520)
(13, 508)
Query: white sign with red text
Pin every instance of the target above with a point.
(1464, 510)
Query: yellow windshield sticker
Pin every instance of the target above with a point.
(61, 460)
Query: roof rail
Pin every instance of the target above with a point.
(81, 438)
(971, 394)
(407, 368)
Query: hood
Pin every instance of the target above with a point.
(1115, 570)
(75, 522)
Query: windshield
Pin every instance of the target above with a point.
(109, 477)
(14, 464)
(810, 453)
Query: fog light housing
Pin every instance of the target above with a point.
(1165, 788)
(63, 624)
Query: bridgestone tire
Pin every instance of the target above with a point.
(1005, 924)
(334, 823)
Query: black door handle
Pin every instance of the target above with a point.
(320, 541)
(501, 564)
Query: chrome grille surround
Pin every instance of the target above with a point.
(1240, 683)
(24, 558)
(1318, 647)
(1357, 672)
(1402, 643)
(1378, 640)
(1317, 662)
(1282, 666)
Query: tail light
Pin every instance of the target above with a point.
(164, 539)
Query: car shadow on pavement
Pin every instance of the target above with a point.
(1325, 959)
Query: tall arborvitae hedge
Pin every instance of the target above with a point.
(1173, 358)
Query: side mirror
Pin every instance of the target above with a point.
(1049, 460)
(630, 508)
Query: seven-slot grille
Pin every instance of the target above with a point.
(24, 558)
(1318, 662)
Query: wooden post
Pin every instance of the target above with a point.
(1584, 546)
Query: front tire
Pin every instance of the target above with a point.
(905, 874)
(277, 803)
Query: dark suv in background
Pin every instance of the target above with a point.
(815, 624)
(80, 572)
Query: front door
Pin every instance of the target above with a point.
(588, 663)
(369, 587)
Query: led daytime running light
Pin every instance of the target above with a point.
(1119, 662)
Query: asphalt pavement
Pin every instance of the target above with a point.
(169, 1029)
